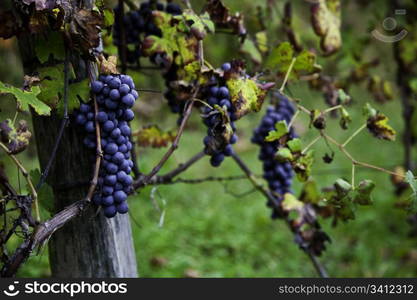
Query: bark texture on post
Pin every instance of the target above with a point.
(90, 245)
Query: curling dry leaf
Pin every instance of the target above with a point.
(326, 20)
(85, 29)
(222, 17)
(153, 136)
(379, 127)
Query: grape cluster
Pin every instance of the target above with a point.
(279, 175)
(115, 96)
(139, 22)
(218, 95)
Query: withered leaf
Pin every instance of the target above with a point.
(85, 29)
(221, 16)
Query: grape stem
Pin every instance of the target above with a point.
(287, 75)
(342, 146)
(92, 71)
(317, 265)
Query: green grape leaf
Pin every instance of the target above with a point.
(363, 192)
(52, 86)
(284, 154)
(326, 21)
(200, 25)
(261, 40)
(246, 94)
(295, 145)
(291, 203)
(281, 130)
(49, 46)
(26, 98)
(282, 56)
(108, 19)
(175, 44)
(310, 193)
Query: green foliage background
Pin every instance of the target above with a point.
(210, 231)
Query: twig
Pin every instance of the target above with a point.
(40, 235)
(312, 143)
(168, 177)
(207, 179)
(333, 108)
(27, 177)
(181, 168)
(135, 167)
(317, 265)
(287, 76)
(321, 270)
(63, 124)
(359, 163)
(175, 143)
(354, 135)
(149, 91)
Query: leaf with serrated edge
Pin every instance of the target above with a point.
(281, 130)
(27, 98)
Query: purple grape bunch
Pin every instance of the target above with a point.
(219, 95)
(115, 96)
(139, 22)
(278, 175)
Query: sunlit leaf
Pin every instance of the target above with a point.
(26, 98)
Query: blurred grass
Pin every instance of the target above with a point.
(209, 230)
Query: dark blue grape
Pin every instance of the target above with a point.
(110, 211)
(114, 114)
(278, 175)
(122, 208)
(96, 86)
(119, 196)
(102, 116)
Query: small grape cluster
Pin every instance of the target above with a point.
(115, 96)
(218, 95)
(139, 22)
(278, 175)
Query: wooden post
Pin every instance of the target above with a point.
(90, 245)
